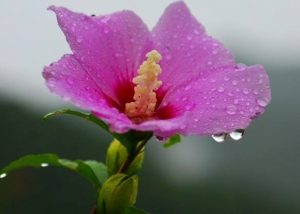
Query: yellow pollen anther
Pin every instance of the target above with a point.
(146, 82)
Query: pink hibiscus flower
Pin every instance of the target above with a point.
(188, 84)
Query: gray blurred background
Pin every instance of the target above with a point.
(258, 174)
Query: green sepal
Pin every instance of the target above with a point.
(94, 171)
(172, 141)
(133, 210)
(116, 156)
(129, 139)
(118, 191)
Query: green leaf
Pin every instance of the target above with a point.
(172, 141)
(133, 210)
(129, 139)
(92, 170)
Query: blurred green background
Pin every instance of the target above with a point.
(258, 174)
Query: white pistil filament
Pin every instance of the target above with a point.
(143, 106)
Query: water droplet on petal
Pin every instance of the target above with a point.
(160, 139)
(183, 126)
(168, 56)
(226, 78)
(70, 80)
(241, 66)
(3, 175)
(234, 82)
(196, 32)
(237, 134)
(221, 89)
(189, 38)
(106, 30)
(245, 91)
(184, 99)
(44, 164)
(188, 87)
(231, 109)
(219, 137)
(79, 39)
(255, 91)
(262, 101)
(209, 62)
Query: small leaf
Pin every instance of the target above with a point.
(128, 139)
(92, 170)
(172, 141)
(133, 210)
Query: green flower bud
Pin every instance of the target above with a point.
(118, 192)
(116, 156)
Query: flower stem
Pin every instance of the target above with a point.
(132, 156)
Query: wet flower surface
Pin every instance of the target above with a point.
(203, 91)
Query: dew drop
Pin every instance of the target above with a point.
(44, 164)
(196, 119)
(189, 38)
(188, 87)
(168, 56)
(70, 80)
(190, 107)
(237, 134)
(3, 175)
(262, 101)
(255, 91)
(220, 138)
(105, 30)
(196, 32)
(231, 109)
(160, 139)
(209, 62)
(235, 101)
(221, 89)
(79, 39)
(214, 52)
(241, 66)
(90, 98)
(245, 91)
(226, 78)
(234, 82)
(183, 126)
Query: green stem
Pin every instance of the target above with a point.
(132, 156)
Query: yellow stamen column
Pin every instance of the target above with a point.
(146, 82)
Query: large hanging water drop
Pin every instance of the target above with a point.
(237, 134)
(219, 137)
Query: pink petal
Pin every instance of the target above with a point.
(110, 48)
(68, 79)
(195, 67)
(224, 101)
(186, 48)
